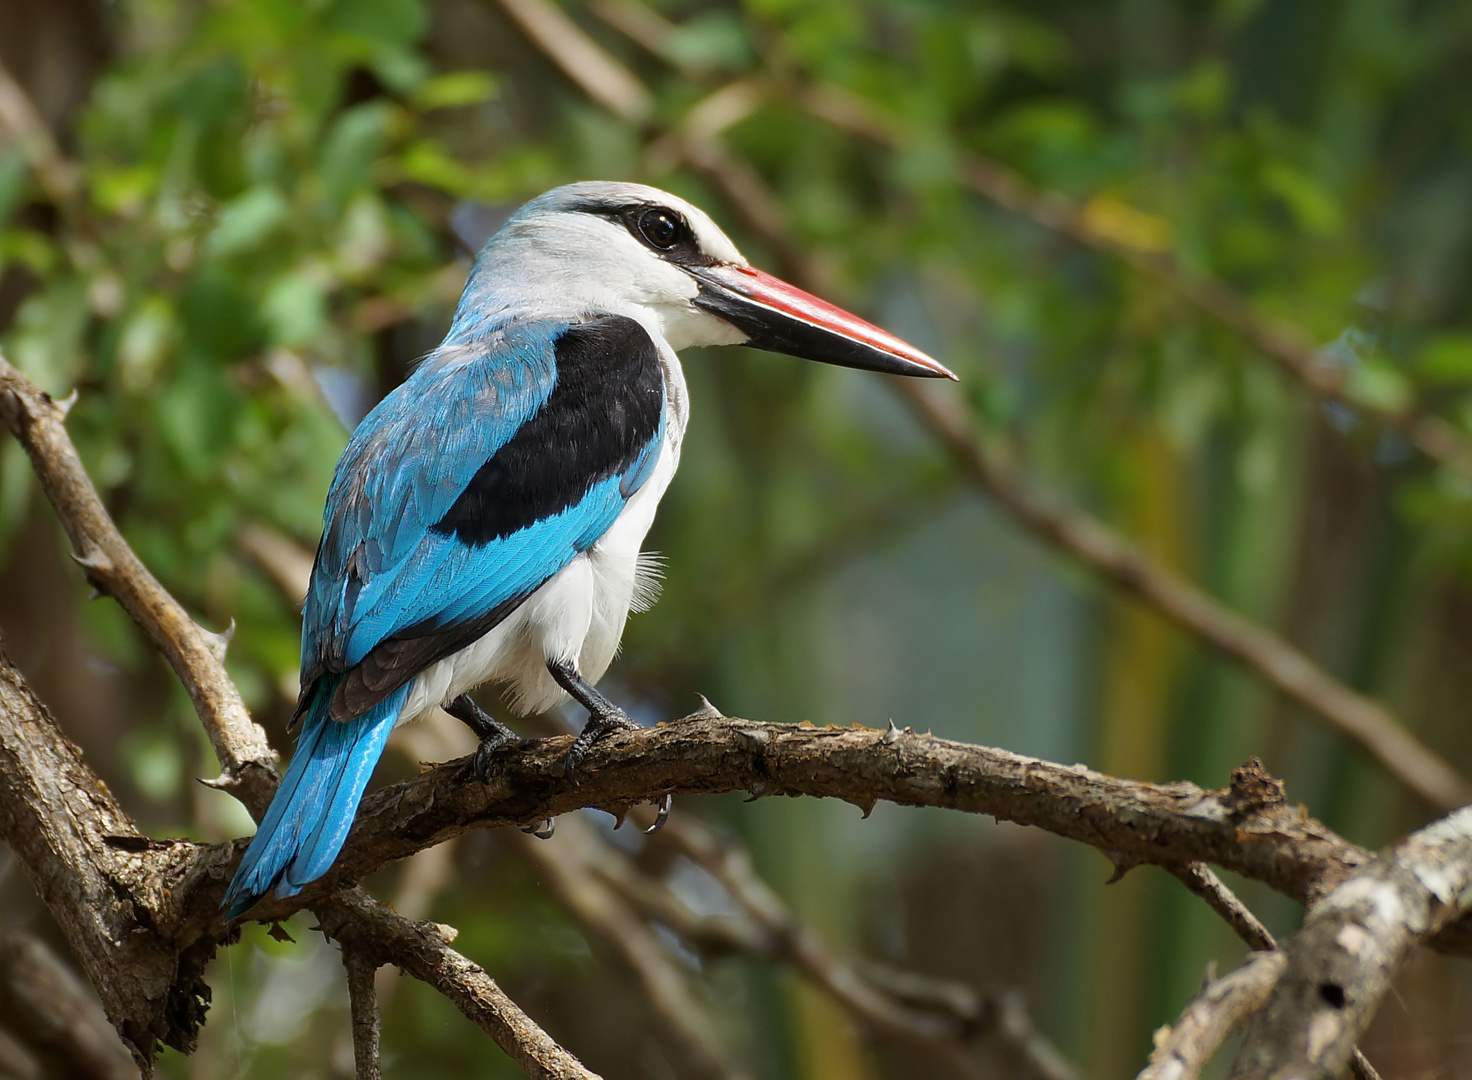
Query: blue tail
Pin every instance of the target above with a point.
(309, 818)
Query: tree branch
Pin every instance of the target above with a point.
(101, 879)
(1248, 827)
(1221, 1007)
(363, 1007)
(247, 762)
(1352, 944)
(423, 950)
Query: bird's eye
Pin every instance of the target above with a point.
(660, 229)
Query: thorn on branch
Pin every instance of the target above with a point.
(219, 643)
(707, 711)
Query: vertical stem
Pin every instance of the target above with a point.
(366, 1022)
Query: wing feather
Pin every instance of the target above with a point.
(467, 488)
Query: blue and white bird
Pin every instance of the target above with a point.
(485, 521)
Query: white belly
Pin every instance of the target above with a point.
(578, 614)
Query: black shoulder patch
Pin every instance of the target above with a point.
(604, 409)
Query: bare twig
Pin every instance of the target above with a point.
(247, 762)
(950, 1021)
(1220, 1008)
(578, 57)
(423, 950)
(564, 866)
(363, 1006)
(1352, 944)
(1202, 881)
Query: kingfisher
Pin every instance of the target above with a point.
(485, 523)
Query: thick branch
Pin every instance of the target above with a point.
(1352, 944)
(103, 881)
(1248, 827)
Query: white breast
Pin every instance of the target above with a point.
(579, 613)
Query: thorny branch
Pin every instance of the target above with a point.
(1340, 964)
(1204, 883)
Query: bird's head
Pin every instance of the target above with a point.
(634, 250)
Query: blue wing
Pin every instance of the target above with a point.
(482, 476)
(470, 485)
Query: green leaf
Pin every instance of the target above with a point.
(248, 222)
(456, 89)
(1379, 386)
(352, 147)
(295, 307)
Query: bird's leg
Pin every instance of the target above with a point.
(603, 715)
(494, 735)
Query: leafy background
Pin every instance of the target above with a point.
(255, 215)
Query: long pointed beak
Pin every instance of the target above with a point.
(781, 317)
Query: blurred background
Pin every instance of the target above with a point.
(232, 225)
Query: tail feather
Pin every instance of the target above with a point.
(312, 812)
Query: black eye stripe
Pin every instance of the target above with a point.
(661, 229)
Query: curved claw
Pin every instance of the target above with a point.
(542, 830)
(665, 804)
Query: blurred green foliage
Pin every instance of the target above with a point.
(270, 204)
